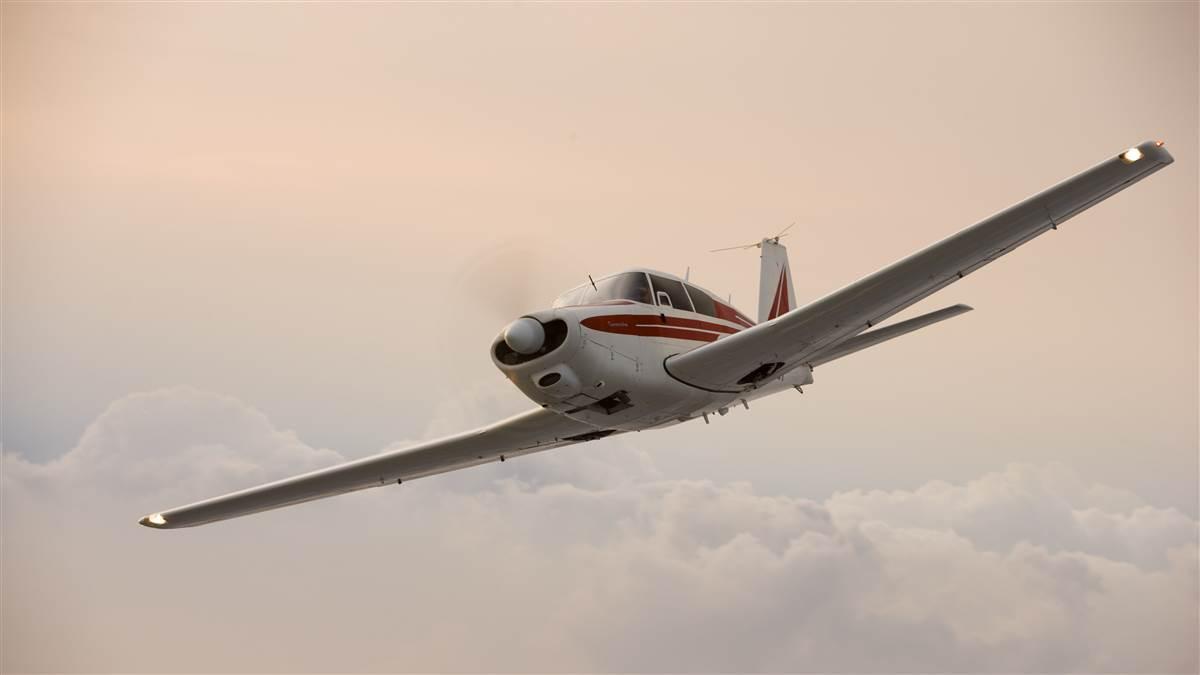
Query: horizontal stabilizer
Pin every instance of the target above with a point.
(874, 337)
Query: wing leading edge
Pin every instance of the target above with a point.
(796, 338)
(528, 432)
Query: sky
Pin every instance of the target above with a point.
(243, 240)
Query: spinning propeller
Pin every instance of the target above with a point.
(506, 280)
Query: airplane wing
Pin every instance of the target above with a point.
(528, 432)
(738, 362)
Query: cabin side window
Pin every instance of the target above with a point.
(674, 291)
(703, 302)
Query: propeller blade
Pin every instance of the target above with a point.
(758, 244)
(734, 248)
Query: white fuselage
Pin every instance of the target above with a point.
(603, 364)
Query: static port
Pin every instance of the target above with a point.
(549, 379)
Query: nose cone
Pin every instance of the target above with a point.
(525, 335)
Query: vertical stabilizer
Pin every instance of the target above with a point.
(776, 295)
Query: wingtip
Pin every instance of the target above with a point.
(155, 521)
(1155, 150)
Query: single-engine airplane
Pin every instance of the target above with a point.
(643, 349)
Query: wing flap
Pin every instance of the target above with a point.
(532, 431)
(796, 337)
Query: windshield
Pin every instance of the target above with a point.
(626, 286)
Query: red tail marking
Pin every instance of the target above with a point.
(782, 302)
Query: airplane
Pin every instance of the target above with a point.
(643, 349)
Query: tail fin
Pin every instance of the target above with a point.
(776, 295)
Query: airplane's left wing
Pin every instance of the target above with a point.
(741, 361)
(532, 431)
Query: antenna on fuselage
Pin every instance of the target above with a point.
(593, 283)
(687, 273)
(757, 244)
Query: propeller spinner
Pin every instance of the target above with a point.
(525, 335)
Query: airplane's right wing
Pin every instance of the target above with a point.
(740, 361)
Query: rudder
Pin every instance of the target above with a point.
(776, 294)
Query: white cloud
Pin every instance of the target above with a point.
(174, 443)
(580, 559)
(1049, 506)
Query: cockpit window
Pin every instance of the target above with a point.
(674, 291)
(626, 286)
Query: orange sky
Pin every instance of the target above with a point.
(327, 211)
(298, 204)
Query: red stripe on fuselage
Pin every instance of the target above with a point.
(656, 325)
(602, 303)
(663, 331)
(730, 314)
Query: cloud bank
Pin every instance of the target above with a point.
(580, 559)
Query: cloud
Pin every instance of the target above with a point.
(175, 442)
(1047, 506)
(580, 559)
